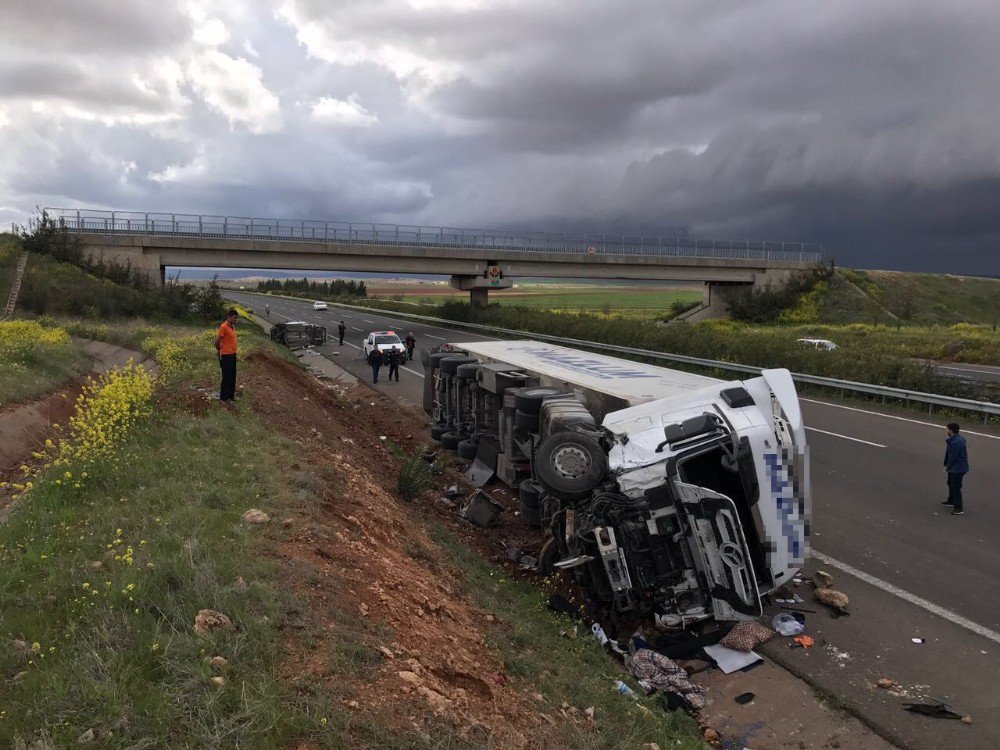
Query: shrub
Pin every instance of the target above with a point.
(414, 476)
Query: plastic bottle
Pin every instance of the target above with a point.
(624, 689)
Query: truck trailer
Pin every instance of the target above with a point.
(665, 493)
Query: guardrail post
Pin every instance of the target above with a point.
(147, 223)
(200, 231)
(225, 226)
(78, 218)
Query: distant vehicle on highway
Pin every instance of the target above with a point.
(385, 341)
(821, 344)
(319, 305)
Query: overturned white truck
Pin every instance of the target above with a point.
(666, 493)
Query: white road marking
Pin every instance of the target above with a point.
(432, 336)
(947, 614)
(368, 321)
(418, 374)
(893, 416)
(846, 437)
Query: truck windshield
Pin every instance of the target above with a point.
(387, 340)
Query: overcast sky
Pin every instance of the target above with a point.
(872, 128)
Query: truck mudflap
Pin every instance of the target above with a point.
(721, 552)
(484, 467)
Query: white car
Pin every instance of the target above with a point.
(319, 305)
(821, 344)
(385, 341)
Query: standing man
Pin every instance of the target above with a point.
(225, 345)
(393, 357)
(956, 463)
(411, 344)
(267, 310)
(375, 359)
(340, 329)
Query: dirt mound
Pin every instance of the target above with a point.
(435, 664)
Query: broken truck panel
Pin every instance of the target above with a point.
(666, 493)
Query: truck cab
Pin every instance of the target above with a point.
(665, 493)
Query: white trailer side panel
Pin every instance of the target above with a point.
(633, 382)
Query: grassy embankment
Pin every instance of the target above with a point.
(131, 524)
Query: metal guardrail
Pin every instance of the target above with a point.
(356, 233)
(986, 408)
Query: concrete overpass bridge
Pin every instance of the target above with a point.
(477, 260)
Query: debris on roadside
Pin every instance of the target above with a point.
(938, 710)
(835, 600)
(802, 641)
(481, 510)
(657, 673)
(787, 624)
(822, 580)
(730, 660)
(885, 683)
(256, 516)
(208, 620)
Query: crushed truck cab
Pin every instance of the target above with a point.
(665, 493)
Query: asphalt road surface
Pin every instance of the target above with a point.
(911, 570)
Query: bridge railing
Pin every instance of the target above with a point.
(355, 233)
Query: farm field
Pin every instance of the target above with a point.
(637, 301)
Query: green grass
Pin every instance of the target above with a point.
(641, 301)
(35, 359)
(126, 660)
(577, 672)
(917, 299)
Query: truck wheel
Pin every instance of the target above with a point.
(548, 557)
(530, 494)
(450, 440)
(437, 431)
(529, 400)
(450, 364)
(526, 422)
(467, 371)
(570, 465)
(468, 449)
(435, 359)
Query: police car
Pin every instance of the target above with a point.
(383, 340)
(319, 305)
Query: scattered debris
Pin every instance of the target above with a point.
(885, 683)
(452, 491)
(256, 516)
(482, 510)
(744, 698)
(91, 735)
(568, 633)
(747, 635)
(836, 600)
(786, 624)
(624, 689)
(822, 579)
(966, 719)
(917, 640)
(219, 662)
(589, 713)
(655, 672)
(219, 681)
(208, 620)
(730, 660)
(803, 642)
(937, 710)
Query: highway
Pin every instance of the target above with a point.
(911, 570)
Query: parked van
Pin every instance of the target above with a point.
(667, 493)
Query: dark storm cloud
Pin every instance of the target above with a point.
(867, 127)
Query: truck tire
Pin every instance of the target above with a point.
(468, 449)
(570, 465)
(437, 431)
(548, 557)
(529, 400)
(450, 364)
(526, 422)
(467, 371)
(435, 358)
(450, 440)
(530, 496)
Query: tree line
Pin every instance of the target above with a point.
(334, 288)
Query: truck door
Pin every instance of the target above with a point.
(720, 551)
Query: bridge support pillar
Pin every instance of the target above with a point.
(479, 287)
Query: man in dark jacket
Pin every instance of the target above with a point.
(411, 344)
(956, 463)
(392, 357)
(340, 329)
(375, 359)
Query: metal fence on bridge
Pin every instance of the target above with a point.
(354, 233)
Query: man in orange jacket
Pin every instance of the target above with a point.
(225, 345)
